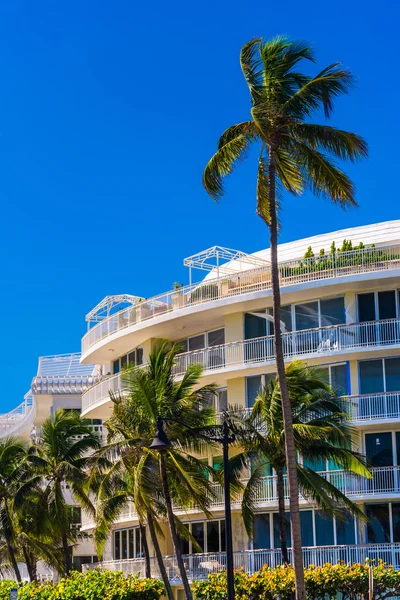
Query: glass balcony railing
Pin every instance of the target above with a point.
(292, 272)
(199, 566)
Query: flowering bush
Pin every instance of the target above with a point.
(93, 585)
(351, 581)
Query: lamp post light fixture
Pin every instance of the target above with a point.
(161, 442)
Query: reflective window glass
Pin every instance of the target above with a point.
(253, 385)
(198, 534)
(213, 536)
(254, 327)
(396, 521)
(392, 374)
(197, 342)
(124, 544)
(387, 304)
(324, 529)
(339, 380)
(378, 527)
(366, 307)
(307, 536)
(371, 376)
(307, 315)
(332, 311)
(217, 337)
(379, 449)
(345, 532)
(262, 532)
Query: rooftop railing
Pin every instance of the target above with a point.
(291, 272)
(19, 419)
(199, 566)
(308, 342)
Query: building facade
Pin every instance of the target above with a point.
(340, 310)
(59, 383)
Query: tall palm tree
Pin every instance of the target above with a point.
(154, 392)
(321, 432)
(294, 154)
(60, 460)
(118, 478)
(12, 456)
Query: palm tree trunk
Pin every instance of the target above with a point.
(281, 513)
(30, 564)
(67, 555)
(13, 561)
(160, 562)
(174, 535)
(145, 550)
(286, 407)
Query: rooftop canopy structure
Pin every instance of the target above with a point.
(109, 305)
(223, 261)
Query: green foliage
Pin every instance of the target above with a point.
(322, 583)
(309, 253)
(94, 585)
(205, 292)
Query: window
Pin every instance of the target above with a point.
(378, 527)
(379, 375)
(374, 306)
(128, 543)
(319, 313)
(336, 376)
(221, 399)
(203, 340)
(253, 386)
(210, 535)
(259, 326)
(317, 529)
(135, 357)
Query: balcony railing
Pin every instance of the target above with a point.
(101, 391)
(290, 272)
(199, 566)
(19, 420)
(384, 481)
(324, 340)
(367, 407)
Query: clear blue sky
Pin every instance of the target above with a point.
(108, 114)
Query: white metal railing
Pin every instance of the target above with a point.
(384, 480)
(62, 384)
(101, 391)
(199, 566)
(19, 419)
(323, 340)
(291, 272)
(364, 407)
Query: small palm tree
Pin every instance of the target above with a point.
(154, 392)
(321, 432)
(60, 460)
(294, 154)
(12, 457)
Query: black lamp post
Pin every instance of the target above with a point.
(161, 442)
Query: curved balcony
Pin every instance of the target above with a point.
(100, 393)
(385, 482)
(300, 271)
(235, 356)
(308, 343)
(19, 420)
(199, 566)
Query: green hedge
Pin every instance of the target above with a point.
(321, 583)
(94, 585)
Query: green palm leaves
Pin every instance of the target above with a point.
(282, 101)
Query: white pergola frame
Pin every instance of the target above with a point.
(104, 308)
(203, 260)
